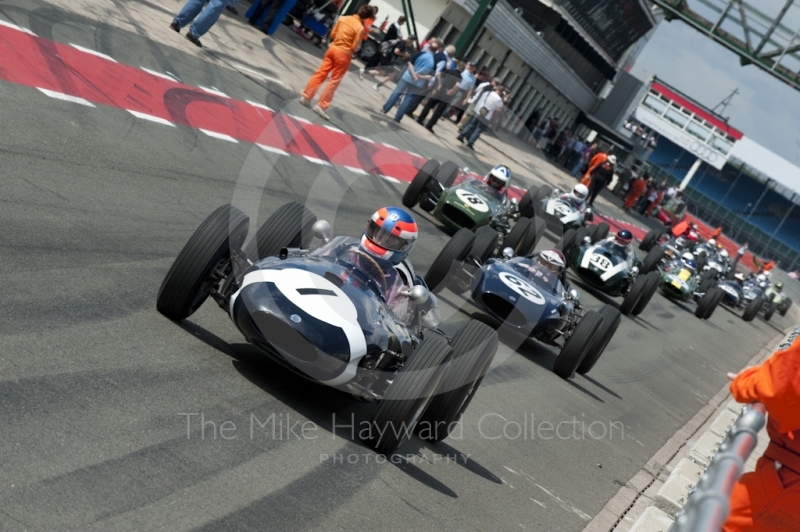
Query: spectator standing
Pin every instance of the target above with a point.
(441, 58)
(268, 9)
(203, 18)
(741, 252)
(419, 70)
(464, 91)
(583, 163)
(487, 106)
(480, 90)
(400, 52)
(395, 31)
(439, 99)
(346, 37)
(768, 499)
(369, 22)
(623, 178)
(599, 158)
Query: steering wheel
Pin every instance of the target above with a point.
(376, 266)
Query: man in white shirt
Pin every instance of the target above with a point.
(485, 107)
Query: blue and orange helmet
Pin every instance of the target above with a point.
(390, 234)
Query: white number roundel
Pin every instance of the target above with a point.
(472, 200)
(522, 287)
(600, 261)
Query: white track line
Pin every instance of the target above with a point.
(213, 91)
(93, 52)
(158, 74)
(173, 76)
(391, 179)
(250, 70)
(271, 149)
(389, 146)
(365, 139)
(151, 118)
(336, 129)
(66, 97)
(15, 27)
(260, 106)
(316, 161)
(220, 136)
(356, 170)
(300, 119)
(416, 154)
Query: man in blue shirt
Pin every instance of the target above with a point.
(420, 68)
(464, 91)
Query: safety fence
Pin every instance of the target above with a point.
(708, 504)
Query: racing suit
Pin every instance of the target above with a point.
(579, 205)
(768, 499)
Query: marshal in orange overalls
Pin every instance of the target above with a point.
(594, 162)
(345, 39)
(768, 500)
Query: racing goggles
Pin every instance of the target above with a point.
(386, 238)
(495, 182)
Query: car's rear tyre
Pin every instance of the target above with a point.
(288, 227)
(409, 395)
(707, 303)
(752, 308)
(474, 346)
(652, 259)
(611, 320)
(578, 344)
(649, 291)
(649, 240)
(516, 238)
(634, 295)
(599, 232)
(455, 251)
(447, 173)
(182, 291)
(531, 201)
(771, 308)
(784, 306)
(415, 189)
(486, 240)
(567, 241)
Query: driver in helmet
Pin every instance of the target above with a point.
(498, 177)
(388, 237)
(689, 263)
(552, 261)
(778, 286)
(623, 240)
(577, 197)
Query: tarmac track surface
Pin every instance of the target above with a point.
(96, 387)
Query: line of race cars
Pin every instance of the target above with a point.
(353, 314)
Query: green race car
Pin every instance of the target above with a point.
(680, 282)
(462, 199)
(610, 266)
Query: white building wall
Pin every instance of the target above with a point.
(426, 13)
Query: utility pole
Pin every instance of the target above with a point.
(476, 22)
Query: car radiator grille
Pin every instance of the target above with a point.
(457, 216)
(505, 310)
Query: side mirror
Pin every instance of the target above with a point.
(322, 230)
(418, 294)
(635, 270)
(466, 170)
(508, 253)
(574, 294)
(587, 240)
(514, 201)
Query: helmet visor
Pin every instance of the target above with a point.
(579, 194)
(385, 239)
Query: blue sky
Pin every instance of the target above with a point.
(766, 109)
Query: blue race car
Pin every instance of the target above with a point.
(529, 295)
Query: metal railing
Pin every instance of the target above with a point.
(708, 505)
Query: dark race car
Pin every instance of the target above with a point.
(527, 299)
(460, 199)
(336, 316)
(611, 267)
(559, 212)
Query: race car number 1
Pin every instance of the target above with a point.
(473, 201)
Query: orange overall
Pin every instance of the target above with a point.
(345, 39)
(594, 162)
(768, 500)
(636, 191)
